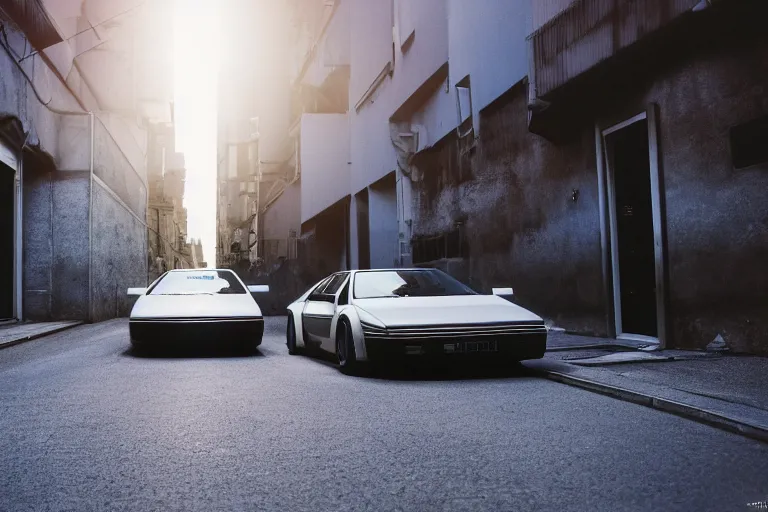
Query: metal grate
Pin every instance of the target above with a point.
(590, 31)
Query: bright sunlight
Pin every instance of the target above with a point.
(195, 79)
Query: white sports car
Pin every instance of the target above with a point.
(373, 315)
(196, 305)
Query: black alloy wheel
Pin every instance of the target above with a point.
(345, 349)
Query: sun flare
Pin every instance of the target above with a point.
(195, 81)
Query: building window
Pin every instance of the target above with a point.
(749, 143)
(464, 107)
(449, 245)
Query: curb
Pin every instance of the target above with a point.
(31, 337)
(593, 346)
(710, 418)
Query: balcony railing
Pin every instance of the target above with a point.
(590, 31)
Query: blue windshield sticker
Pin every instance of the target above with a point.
(207, 278)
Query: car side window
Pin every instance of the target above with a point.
(344, 295)
(318, 290)
(334, 284)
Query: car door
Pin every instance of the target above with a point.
(320, 308)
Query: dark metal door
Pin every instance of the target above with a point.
(634, 226)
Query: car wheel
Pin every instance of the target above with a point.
(345, 349)
(290, 336)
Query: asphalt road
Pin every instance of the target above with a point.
(87, 425)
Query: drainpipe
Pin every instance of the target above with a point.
(90, 219)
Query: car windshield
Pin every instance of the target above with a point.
(202, 282)
(407, 283)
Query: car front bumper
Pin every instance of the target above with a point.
(187, 330)
(518, 341)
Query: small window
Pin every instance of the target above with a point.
(464, 108)
(749, 143)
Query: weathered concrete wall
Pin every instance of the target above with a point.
(716, 217)
(113, 167)
(525, 230)
(119, 255)
(38, 238)
(70, 245)
(56, 242)
(522, 228)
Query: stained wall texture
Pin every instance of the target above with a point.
(526, 228)
(521, 225)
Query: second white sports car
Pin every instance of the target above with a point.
(374, 315)
(208, 305)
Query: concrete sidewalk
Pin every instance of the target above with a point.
(723, 390)
(15, 333)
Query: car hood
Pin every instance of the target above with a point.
(454, 310)
(195, 306)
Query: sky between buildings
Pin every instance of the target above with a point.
(196, 40)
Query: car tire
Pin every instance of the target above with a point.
(345, 349)
(290, 336)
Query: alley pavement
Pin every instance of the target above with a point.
(86, 424)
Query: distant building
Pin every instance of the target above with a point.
(166, 217)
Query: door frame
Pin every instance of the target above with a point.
(608, 226)
(14, 161)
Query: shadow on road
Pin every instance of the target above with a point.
(433, 371)
(449, 371)
(192, 351)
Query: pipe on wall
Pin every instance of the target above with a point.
(90, 219)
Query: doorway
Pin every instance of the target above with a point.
(631, 160)
(7, 241)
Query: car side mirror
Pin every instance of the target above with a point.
(503, 292)
(135, 292)
(258, 288)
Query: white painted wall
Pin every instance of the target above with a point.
(325, 152)
(284, 214)
(372, 152)
(371, 50)
(382, 210)
(487, 40)
(373, 155)
(427, 19)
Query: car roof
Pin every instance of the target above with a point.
(200, 269)
(392, 269)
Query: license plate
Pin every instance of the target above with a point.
(470, 347)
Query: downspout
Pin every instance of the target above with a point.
(90, 219)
